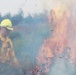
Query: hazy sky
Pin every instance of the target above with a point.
(28, 6)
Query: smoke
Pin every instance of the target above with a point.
(58, 52)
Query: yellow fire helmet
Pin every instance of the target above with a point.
(7, 23)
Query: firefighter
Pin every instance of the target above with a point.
(6, 48)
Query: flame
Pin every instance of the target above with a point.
(59, 10)
(58, 42)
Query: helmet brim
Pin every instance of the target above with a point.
(9, 28)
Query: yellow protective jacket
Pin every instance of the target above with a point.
(6, 50)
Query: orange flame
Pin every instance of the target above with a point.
(58, 42)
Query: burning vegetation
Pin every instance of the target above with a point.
(62, 42)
